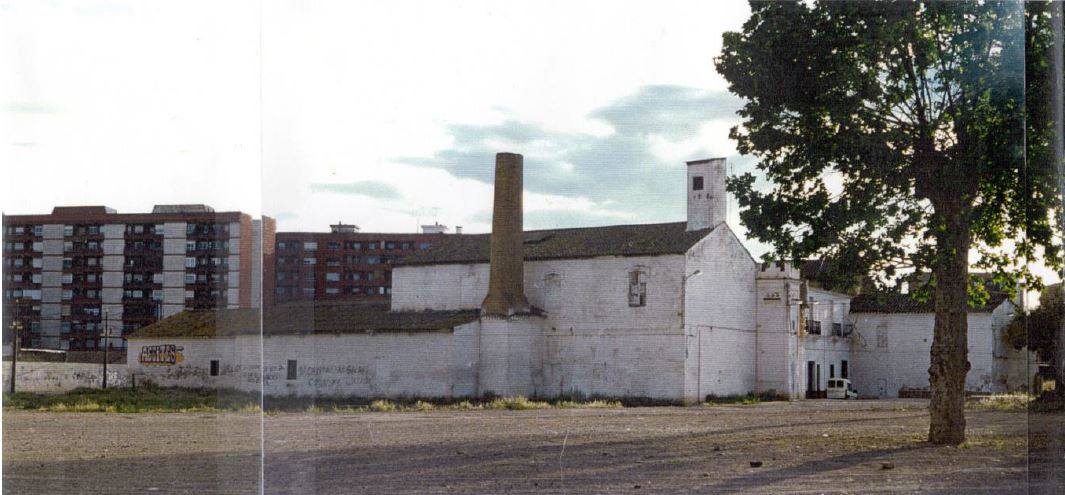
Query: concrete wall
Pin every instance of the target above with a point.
(60, 377)
(891, 351)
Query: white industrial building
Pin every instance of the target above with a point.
(670, 311)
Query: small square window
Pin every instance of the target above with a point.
(697, 183)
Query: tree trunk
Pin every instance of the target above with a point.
(950, 361)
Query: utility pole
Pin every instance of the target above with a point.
(107, 341)
(16, 328)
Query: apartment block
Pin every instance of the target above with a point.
(73, 272)
(342, 263)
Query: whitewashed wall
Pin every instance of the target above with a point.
(891, 351)
(829, 352)
(1014, 369)
(386, 364)
(239, 363)
(61, 377)
(614, 362)
(592, 342)
(578, 293)
(719, 317)
(777, 349)
(826, 350)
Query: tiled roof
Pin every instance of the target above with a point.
(588, 242)
(322, 317)
(202, 323)
(348, 317)
(893, 302)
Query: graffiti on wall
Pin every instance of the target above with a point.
(164, 354)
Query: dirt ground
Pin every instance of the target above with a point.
(805, 447)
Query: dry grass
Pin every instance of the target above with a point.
(1000, 402)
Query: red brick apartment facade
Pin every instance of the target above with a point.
(343, 263)
(68, 273)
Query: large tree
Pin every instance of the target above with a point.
(890, 136)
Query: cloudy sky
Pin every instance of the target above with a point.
(383, 114)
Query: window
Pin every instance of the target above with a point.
(189, 294)
(281, 245)
(38, 262)
(813, 327)
(190, 246)
(332, 290)
(310, 246)
(92, 261)
(68, 294)
(36, 278)
(38, 230)
(843, 369)
(697, 183)
(371, 245)
(67, 262)
(38, 246)
(831, 371)
(68, 278)
(190, 262)
(214, 367)
(333, 245)
(157, 278)
(390, 245)
(332, 277)
(68, 230)
(372, 260)
(291, 375)
(637, 288)
(332, 262)
(309, 261)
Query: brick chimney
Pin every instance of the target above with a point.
(506, 279)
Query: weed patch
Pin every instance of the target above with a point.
(142, 400)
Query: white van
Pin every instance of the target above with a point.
(841, 388)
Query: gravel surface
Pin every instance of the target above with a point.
(803, 447)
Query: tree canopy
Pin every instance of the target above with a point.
(868, 118)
